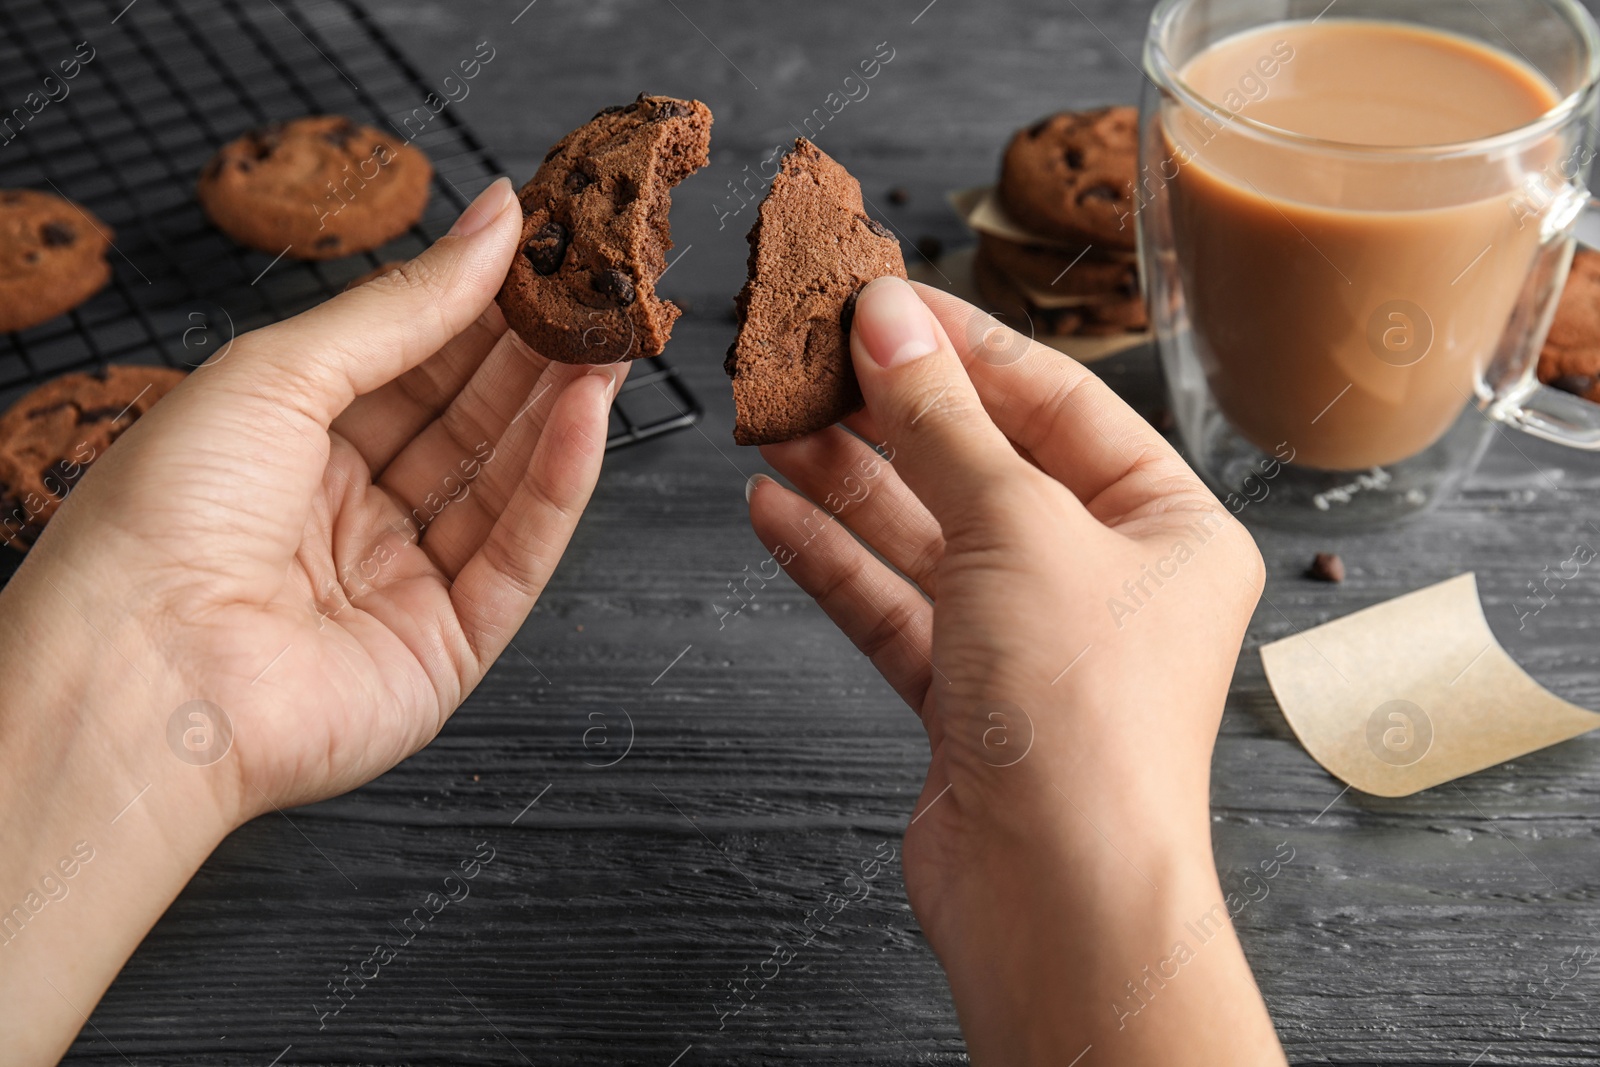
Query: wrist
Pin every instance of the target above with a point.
(1097, 930)
(101, 825)
(90, 715)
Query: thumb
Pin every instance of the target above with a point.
(322, 359)
(946, 447)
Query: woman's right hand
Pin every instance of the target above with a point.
(1062, 605)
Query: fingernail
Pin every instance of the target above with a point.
(611, 372)
(485, 209)
(750, 485)
(893, 323)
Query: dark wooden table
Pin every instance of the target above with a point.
(666, 794)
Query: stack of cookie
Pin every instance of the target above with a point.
(1056, 235)
(1571, 357)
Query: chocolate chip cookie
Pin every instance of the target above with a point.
(595, 234)
(1071, 176)
(811, 250)
(320, 186)
(1571, 356)
(52, 257)
(1109, 278)
(1005, 300)
(50, 436)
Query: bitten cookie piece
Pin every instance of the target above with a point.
(1071, 176)
(595, 233)
(51, 435)
(1571, 356)
(320, 186)
(52, 257)
(811, 250)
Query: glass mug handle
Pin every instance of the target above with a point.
(1542, 411)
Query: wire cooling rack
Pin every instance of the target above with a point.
(165, 83)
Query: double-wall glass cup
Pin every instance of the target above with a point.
(1344, 327)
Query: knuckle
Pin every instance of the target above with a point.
(509, 557)
(838, 581)
(418, 278)
(1058, 406)
(936, 405)
(886, 631)
(924, 566)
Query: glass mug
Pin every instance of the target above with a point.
(1343, 327)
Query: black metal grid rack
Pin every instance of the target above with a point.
(166, 84)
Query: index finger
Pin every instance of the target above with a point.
(320, 360)
(1075, 427)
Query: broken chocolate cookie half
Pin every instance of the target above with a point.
(812, 249)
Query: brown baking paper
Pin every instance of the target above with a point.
(1414, 692)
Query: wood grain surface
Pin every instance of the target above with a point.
(757, 760)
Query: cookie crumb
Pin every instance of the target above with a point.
(1326, 567)
(899, 196)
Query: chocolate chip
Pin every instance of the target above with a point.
(1327, 567)
(930, 248)
(1576, 384)
(64, 474)
(10, 198)
(615, 284)
(57, 234)
(328, 241)
(213, 168)
(617, 108)
(31, 255)
(49, 409)
(548, 156)
(847, 314)
(898, 195)
(264, 140)
(577, 181)
(1101, 191)
(244, 166)
(1038, 127)
(547, 248)
(877, 227)
(100, 414)
(625, 192)
(671, 109)
(342, 134)
(1075, 158)
(68, 471)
